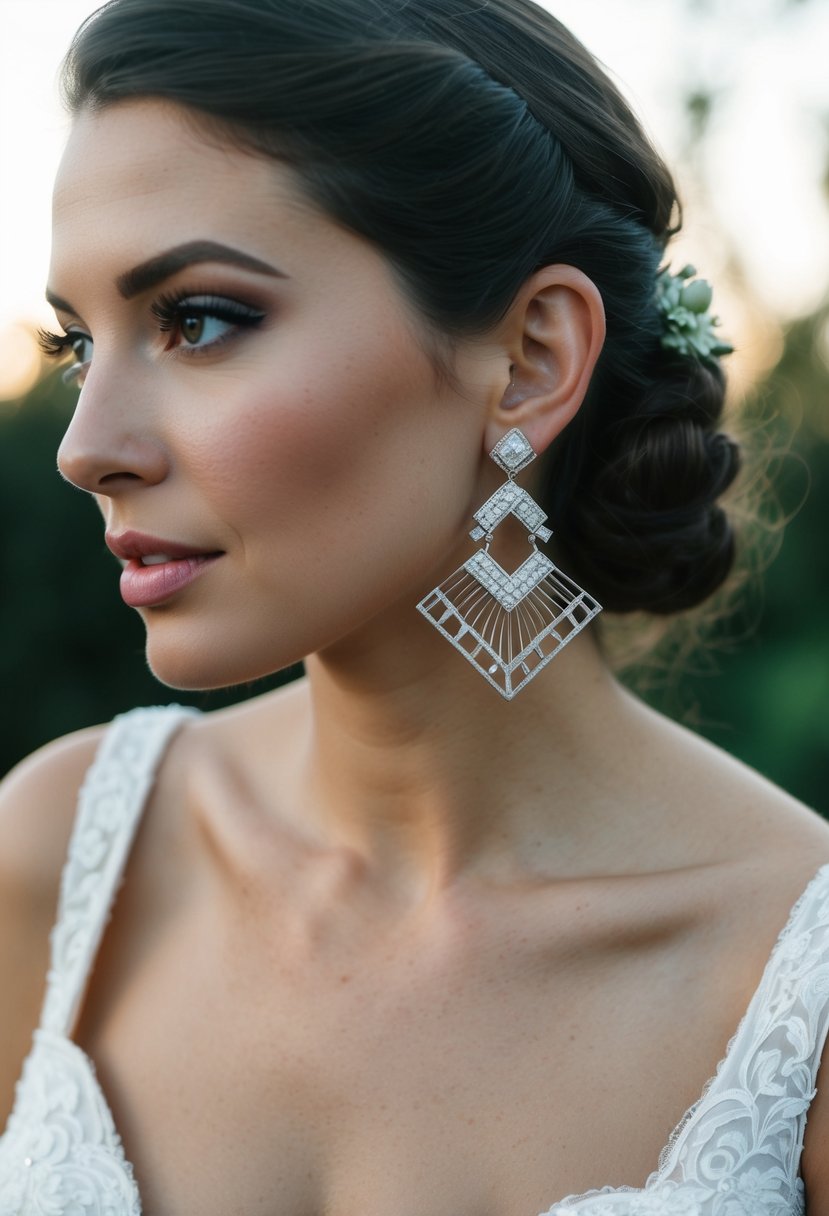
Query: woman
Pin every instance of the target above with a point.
(387, 941)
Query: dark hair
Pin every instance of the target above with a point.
(473, 142)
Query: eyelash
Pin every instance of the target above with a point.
(54, 346)
(170, 310)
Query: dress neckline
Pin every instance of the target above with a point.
(667, 1156)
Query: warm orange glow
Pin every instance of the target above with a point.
(20, 364)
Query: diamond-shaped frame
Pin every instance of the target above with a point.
(509, 626)
(571, 609)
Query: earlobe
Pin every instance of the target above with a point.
(553, 335)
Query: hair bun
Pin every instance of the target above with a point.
(647, 532)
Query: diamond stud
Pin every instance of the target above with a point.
(513, 453)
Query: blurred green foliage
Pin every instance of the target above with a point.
(759, 687)
(73, 654)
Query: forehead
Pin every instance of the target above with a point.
(141, 172)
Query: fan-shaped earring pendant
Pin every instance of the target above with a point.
(509, 626)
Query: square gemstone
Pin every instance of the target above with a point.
(530, 513)
(513, 452)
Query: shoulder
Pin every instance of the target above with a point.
(769, 844)
(759, 848)
(38, 800)
(780, 845)
(716, 806)
(736, 850)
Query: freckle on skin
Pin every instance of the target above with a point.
(345, 979)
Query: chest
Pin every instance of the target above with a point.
(491, 1081)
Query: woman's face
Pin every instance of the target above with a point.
(260, 388)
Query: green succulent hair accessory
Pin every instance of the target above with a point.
(684, 308)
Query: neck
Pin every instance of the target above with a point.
(415, 764)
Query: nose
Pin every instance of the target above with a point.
(109, 446)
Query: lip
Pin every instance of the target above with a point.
(145, 586)
(135, 545)
(148, 586)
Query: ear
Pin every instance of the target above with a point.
(552, 336)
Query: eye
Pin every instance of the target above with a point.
(81, 344)
(199, 329)
(201, 322)
(54, 346)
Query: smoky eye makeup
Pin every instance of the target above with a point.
(201, 321)
(194, 322)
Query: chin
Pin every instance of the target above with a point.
(203, 668)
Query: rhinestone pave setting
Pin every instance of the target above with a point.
(509, 589)
(509, 626)
(510, 499)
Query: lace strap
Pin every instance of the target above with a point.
(792, 998)
(110, 803)
(766, 1081)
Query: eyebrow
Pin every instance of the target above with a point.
(154, 271)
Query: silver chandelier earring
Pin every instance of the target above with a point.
(509, 626)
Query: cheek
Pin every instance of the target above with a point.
(328, 464)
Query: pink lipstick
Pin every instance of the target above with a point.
(144, 586)
(156, 569)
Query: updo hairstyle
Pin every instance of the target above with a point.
(474, 142)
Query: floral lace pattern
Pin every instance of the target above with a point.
(61, 1154)
(736, 1152)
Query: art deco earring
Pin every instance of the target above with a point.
(509, 626)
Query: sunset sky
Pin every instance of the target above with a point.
(760, 193)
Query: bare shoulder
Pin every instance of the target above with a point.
(37, 808)
(715, 800)
(750, 846)
(38, 800)
(777, 828)
(753, 848)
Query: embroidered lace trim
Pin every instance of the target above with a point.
(61, 1154)
(111, 800)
